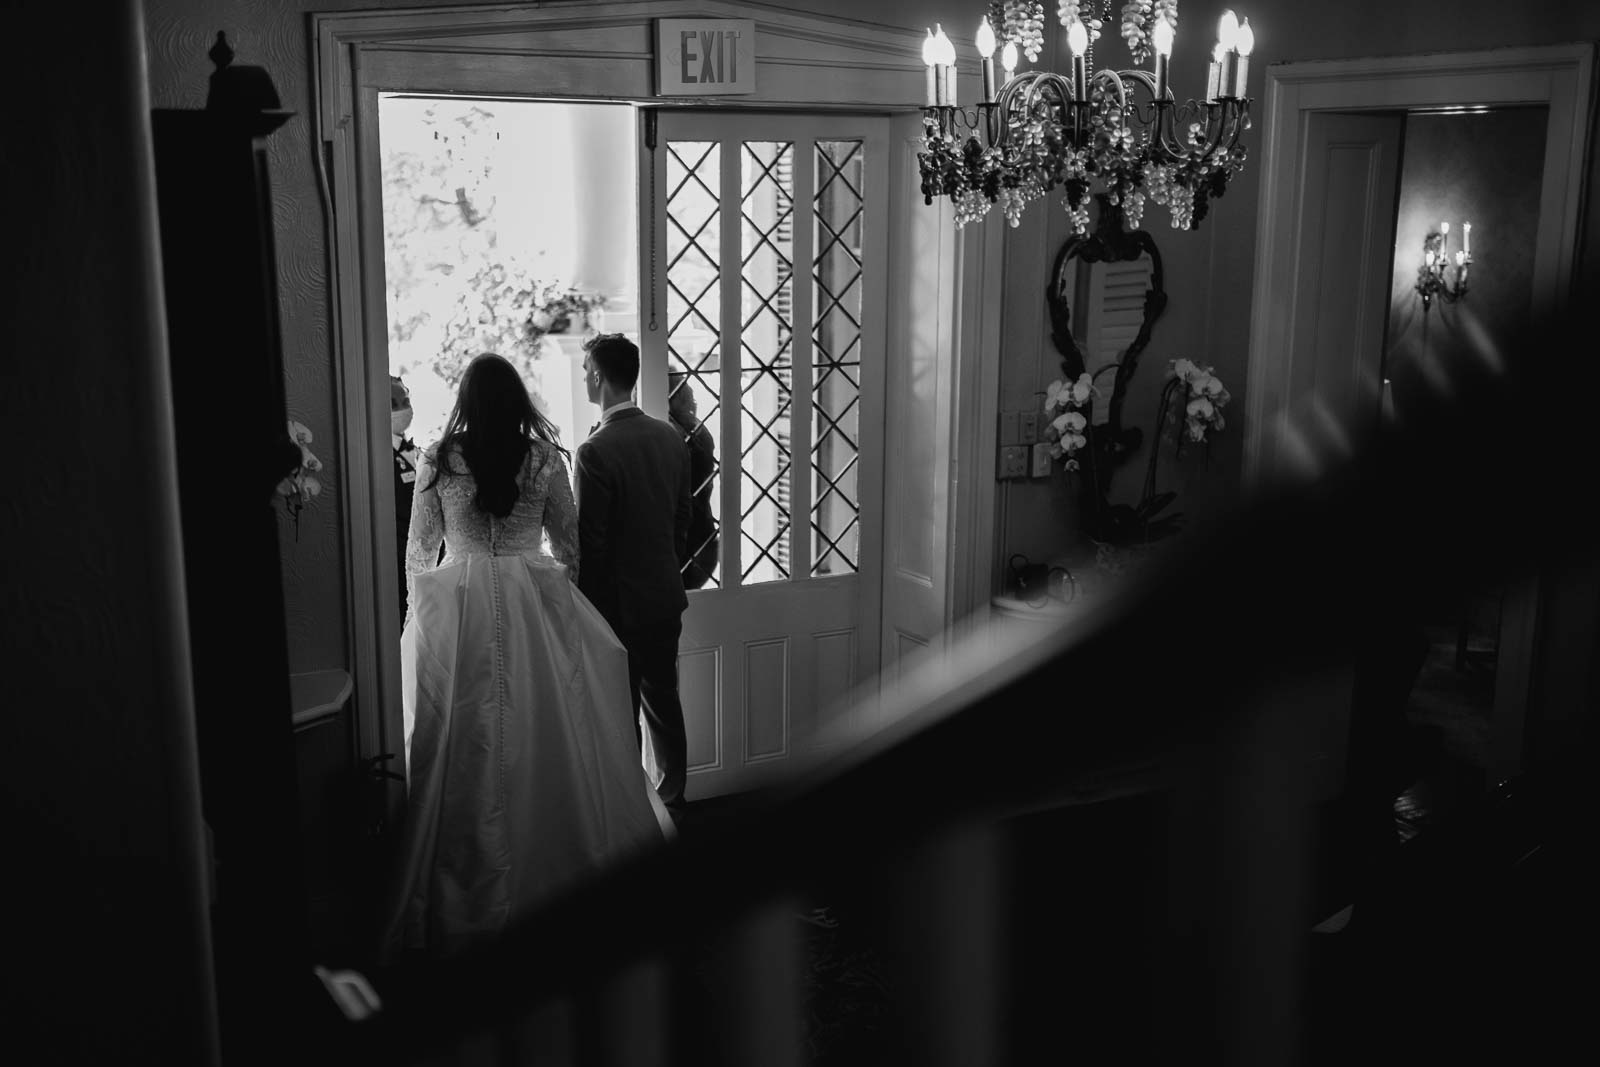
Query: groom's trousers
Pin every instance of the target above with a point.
(653, 677)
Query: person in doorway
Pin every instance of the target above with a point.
(634, 508)
(702, 471)
(405, 472)
(520, 779)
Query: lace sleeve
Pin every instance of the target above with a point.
(427, 525)
(561, 514)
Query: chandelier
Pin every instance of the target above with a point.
(1120, 135)
(1432, 277)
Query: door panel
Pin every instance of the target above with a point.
(766, 282)
(1346, 240)
(921, 363)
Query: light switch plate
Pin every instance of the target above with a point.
(1028, 425)
(1041, 460)
(1008, 428)
(1013, 462)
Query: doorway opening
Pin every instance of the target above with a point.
(1469, 186)
(509, 226)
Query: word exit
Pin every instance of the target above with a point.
(705, 57)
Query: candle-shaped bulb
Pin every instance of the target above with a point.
(1161, 37)
(1077, 38)
(985, 39)
(1466, 237)
(1444, 228)
(1228, 30)
(1247, 38)
(930, 49)
(1008, 58)
(947, 51)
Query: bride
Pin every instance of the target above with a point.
(523, 774)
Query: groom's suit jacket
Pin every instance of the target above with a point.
(634, 505)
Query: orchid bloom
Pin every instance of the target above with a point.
(1052, 394)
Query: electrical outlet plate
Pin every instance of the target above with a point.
(1013, 462)
(1029, 427)
(1041, 460)
(1009, 434)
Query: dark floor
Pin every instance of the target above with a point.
(1468, 918)
(1458, 949)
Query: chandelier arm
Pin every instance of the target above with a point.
(1241, 122)
(1166, 136)
(1144, 78)
(1222, 117)
(1114, 80)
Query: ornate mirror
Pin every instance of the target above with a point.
(1105, 294)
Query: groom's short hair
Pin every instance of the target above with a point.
(616, 358)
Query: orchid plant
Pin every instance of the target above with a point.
(1206, 397)
(301, 486)
(1064, 402)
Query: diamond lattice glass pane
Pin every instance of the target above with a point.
(694, 334)
(766, 346)
(836, 358)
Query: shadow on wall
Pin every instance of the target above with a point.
(1484, 168)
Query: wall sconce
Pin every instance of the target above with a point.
(1433, 278)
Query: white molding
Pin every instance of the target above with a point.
(868, 68)
(980, 311)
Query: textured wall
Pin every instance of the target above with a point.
(1483, 169)
(1209, 273)
(275, 35)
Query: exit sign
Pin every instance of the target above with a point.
(705, 57)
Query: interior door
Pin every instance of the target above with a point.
(763, 268)
(1345, 236)
(1346, 241)
(924, 306)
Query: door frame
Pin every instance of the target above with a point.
(1559, 77)
(579, 52)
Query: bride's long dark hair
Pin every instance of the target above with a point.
(491, 428)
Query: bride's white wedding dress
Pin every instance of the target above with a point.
(523, 771)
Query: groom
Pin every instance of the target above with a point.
(634, 503)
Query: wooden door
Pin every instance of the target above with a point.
(1345, 235)
(923, 335)
(763, 272)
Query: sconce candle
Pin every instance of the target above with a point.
(1434, 277)
(1161, 40)
(1214, 75)
(985, 43)
(947, 59)
(1228, 41)
(1466, 237)
(1078, 41)
(930, 56)
(1247, 44)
